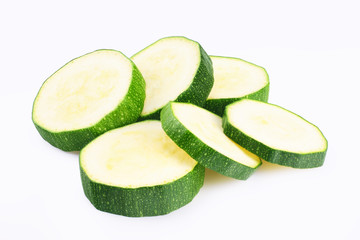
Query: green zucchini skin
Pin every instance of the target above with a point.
(218, 105)
(199, 151)
(126, 112)
(144, 201)
(199, 89)
(284, 158)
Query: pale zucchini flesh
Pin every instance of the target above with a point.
(275, 134)
(175, 69)
(235, 79)
(141, 165)
(81, 94)
(199, 132)
(134, 156)
(88, 96)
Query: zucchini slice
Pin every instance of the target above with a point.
(88, 96)
(275, 134)
(175, 69)
(235, 79)
(137, 171)
(200, 134)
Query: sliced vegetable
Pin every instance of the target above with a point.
(88, 96)
(138, 171)
(175, 69)
(235, 79)
(200, 134)
(275, 134)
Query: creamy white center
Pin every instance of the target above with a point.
(83, 91)
(275, 127)
(137, 155)
(168, 67)
(234, 78)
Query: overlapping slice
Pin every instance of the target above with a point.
(175, 69)
(137, 170)
(88, 96)
(235, 79)
(275, 134)
(200, 134)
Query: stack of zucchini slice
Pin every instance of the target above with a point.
(149, 125)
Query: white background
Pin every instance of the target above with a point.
(311, 51)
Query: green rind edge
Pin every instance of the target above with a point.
(199, 89)
(144, 201)
(218, 105)
(126, 112)
(281, 157)
(199, 151)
